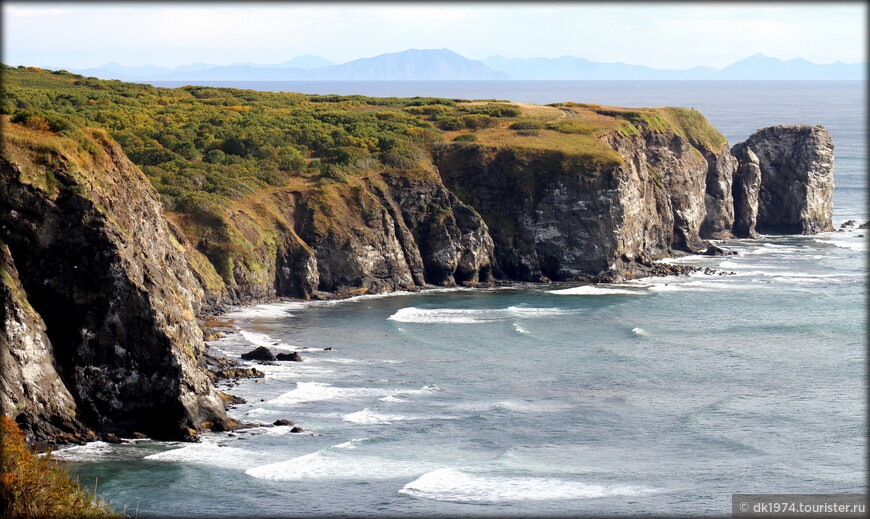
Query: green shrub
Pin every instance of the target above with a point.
(477, 122)
(493, 110)
(465, 137)
(526, 125)
(451, 124)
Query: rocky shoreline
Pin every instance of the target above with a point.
(101, 291)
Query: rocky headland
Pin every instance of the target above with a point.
(101, 287)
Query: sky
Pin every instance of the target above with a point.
(76, 35)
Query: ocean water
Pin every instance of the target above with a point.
(657, 396)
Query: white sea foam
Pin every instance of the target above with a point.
(316, 391)
(266, 311)
(520, 329)
(339, 462)
(370, 417)
(261, 339)
(473, 315)
(772, 248)
(640, 332)
(364, 297)
(446, 315)
(260, 412)
(409, 392)
(531, 312)
(367, 416)
(449, 484)
(856, 244)
(98, 451)
(595, 290)
(701, 286)
(208, 454)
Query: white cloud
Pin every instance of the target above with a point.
(34, 12)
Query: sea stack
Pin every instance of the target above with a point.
(796, 181)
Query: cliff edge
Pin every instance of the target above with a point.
(99, 303)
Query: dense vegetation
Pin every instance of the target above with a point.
(205, 149)
(33, 486)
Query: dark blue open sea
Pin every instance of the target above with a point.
(659, 396)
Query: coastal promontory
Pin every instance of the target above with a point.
(129, 212)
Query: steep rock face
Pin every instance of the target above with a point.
(30, 386)
(795, 190)
(382, 232)
(385, 233)
(718, 198)
(453, 242)
(747, 181)
(554, 216)
(100, 268)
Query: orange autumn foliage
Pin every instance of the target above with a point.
(36, 486)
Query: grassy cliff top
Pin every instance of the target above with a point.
(232, 143)
(213, 152)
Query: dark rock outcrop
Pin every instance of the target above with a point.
(98, 266)
(292, 357)
(559, 218)
(387, 231)
(795, 180)
(259, 353)
(32, 389)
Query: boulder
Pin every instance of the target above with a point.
(282, 422)
(259, 353)
(713, 250)
(297, 429)
(292, 356)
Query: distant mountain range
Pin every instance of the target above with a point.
(444, 64)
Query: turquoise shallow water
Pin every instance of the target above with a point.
(658, 396)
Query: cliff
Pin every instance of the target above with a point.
(100, 305)
(103, 278)
(556, 214)
(383, 231)
(785, 181)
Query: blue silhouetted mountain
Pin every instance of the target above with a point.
(444, 64)
(754, 67)
(414, 64)
(570, 67)
(760, 66)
